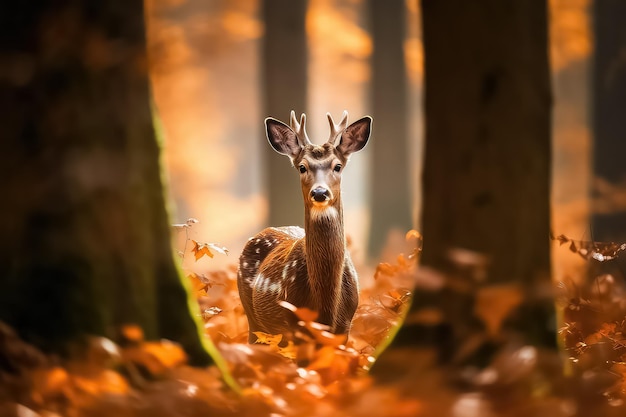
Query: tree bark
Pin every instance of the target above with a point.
(486, 175)
(84, 233)
(390, 193)
(285, 85)
(609, 109)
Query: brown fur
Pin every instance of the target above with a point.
(311, 267)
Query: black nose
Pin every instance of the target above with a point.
(320, 194)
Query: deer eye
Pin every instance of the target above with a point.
(302, 169)
(337, 168)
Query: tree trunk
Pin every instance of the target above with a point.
(609, 109)
(390, 195)
(486, 177)
(285, 84)
(84, 233)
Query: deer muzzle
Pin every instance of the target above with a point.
(320, 195)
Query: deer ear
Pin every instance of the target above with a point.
(355, 137)
(282, 138)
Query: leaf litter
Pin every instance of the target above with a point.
(327, 374)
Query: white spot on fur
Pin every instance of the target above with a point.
(275, 287)
(261, 283)
(256, 264)
(244, 264)
(285, 271)
(257, 250)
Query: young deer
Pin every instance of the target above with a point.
(311, 267)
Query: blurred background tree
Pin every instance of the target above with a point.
(608, 110)
(390, 174)
(285, 58)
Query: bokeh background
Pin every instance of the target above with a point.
(210, 64)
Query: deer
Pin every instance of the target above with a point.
(308, 267)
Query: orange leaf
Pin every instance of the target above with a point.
(49, 382)
(156, 357)
(324, 358)
(385, 268)
(132, 333)
(105, 381)
(197, 283)
(289, 351)
(268, 339)
(494, 303)
(206, 249)
(201, 249)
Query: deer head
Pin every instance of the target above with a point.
(320, 166)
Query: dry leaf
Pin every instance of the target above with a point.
(494, 303)
(132, 333)
(268, 339)
(104, 382)
(198, 282)
(155, 357)
(206, 249)
(48, 383)
(599, 251)
(201, 249)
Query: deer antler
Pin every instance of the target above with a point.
(299, 128)
(337, 129)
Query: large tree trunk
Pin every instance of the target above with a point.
(84, 232)
(486, 177)
(389, 177)
(285, 83)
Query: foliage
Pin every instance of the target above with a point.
(325, 374)
(594, 321)
(320, 373)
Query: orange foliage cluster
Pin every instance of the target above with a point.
(594, 321)
(322, 374)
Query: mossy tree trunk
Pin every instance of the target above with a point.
(84, 231)
(486, 176)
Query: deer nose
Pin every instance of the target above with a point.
(320, 194)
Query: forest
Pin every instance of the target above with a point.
(469, 262)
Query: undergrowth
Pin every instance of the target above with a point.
(324, 374)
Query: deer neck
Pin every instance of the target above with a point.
(325, 251)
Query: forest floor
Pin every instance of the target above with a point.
(327, 376)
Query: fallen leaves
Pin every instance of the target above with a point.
(593, 331)
(155, 358)
(321, 373)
